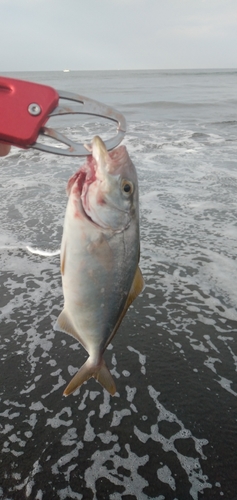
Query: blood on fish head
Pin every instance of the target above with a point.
(84, 175)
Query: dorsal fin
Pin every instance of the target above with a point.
(136, 288)
(63, 259)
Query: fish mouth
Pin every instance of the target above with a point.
(78, 186)
(97, 166)
(89, 172)
(86, 176)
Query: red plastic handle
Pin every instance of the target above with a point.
(24, 109)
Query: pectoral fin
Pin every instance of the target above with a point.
(101, 251)
(88, 370)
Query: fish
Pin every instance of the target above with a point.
(100, 253)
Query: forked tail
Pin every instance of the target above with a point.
(99, 372)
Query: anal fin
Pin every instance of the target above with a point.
(63, 324)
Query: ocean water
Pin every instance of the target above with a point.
(170, 432)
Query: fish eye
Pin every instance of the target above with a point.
(127, 186)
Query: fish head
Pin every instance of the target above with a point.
(109, 187)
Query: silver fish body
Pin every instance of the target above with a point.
(99, 256)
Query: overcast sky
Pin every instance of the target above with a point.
(117, 34)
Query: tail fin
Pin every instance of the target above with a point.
(88, 370)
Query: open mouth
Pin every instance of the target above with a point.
(80, 184)
(84, 176)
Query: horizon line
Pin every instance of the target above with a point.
(61, 70)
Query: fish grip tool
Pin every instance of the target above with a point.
(25, 108)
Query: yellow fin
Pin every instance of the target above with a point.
(63, 260)
(88, 370)
(136, 288)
